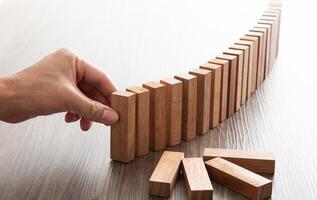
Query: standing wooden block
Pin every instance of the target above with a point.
(189, 106)
(122, 136)
(252, 62)
(246, 60)
(239, 75)
(256, 161)
(174, 94)
(203, 99)
(142, 121)
(277, 14)
(239, 179)
(224, 86)
(165, 174)
(196, 178)
(215, 93)
(232, 81)
(257, 46)
(157, 115)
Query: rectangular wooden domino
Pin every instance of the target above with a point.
(157, 115)
(246, 60)
(122, 133)
(239, 75)
(277, 14)
(215, 93)
(142, 122)
(203, 99)
(239, 179)
(196, 178)
(189, 105)
(256, 161)
(252, 62)
(174, 94)
(224, 86)
(165, 174)
(232, 81)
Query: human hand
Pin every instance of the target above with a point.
(60, 82)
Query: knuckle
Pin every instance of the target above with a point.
(94, 111)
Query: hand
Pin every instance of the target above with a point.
(60, 82)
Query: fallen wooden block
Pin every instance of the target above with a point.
(232, 81)
(239, 75)
(174, 94)
(239, 179)
(196, 178)
(252, 62)
(215, 93)
(246, 60)
(224, 86)
(165, 174)
(189, 106)
(122, 133)
(142, 121)
(256, 161)
(157, 115)
(203, 99)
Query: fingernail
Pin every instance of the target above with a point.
(109, 117)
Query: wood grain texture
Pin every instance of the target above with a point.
(203, 99)
(196, 178)
(189, 107)
(122, 145)
(142, 120)
(174, 96)
(157, 115)
(239, 179)
(256, 161)
(165, 174)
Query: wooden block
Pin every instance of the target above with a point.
(256, 161)
(174, 89)
(239, 75)
(246, 59)
(256, 40)
(196, 178)
(224, 86)
(142, 121)
(203, 99)
(277, 14)
(157, 115)
(232, 81)
(122, 133)
(239, 179)
(215, 93)
(189, 106)
(252, 62)
(165, 174)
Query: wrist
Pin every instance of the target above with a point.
(8, 97)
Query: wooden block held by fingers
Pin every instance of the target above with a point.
(189, 106)
(224, 86)
(252, 62)
(239, 179)
(174, 92)
(256, 161)
(142, 121)
(196, 178)
(122, 136)
(215, 93)
(203, 99)
(157, 115)
(165, 174)
(232, 81)
(245, 69)
(239, 75)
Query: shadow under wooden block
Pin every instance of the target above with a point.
(122, 133)
(174, 92)
(142, 122)
(157, 115)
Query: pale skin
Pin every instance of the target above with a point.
(60, 82)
